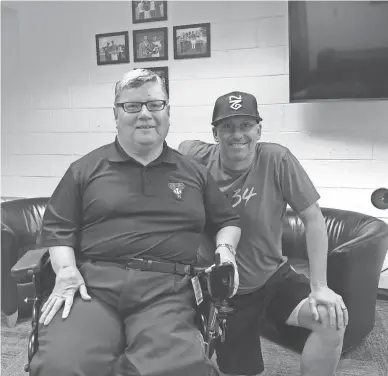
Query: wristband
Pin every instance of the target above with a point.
(229, 246)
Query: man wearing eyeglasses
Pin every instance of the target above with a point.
(123, 227)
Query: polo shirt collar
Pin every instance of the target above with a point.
(118, 154)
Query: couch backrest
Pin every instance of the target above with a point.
(342, 227)
(23, 218)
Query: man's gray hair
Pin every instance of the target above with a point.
(136, 78)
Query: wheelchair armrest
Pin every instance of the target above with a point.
(31, 263)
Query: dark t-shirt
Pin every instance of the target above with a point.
(108, 205)
(260, 195)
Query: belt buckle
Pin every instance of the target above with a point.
(189, 270)
(147, 267)
(130, 265)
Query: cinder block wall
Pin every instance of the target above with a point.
(58, 101)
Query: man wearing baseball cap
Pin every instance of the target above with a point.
(260, 179)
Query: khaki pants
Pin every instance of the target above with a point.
(137, 323)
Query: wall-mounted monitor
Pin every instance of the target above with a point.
(338, 50)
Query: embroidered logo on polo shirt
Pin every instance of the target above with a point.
(177, 188)
(235, 102)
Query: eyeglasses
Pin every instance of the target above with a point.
(133, 107)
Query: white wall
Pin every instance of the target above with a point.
(9, 74)
(68, 98)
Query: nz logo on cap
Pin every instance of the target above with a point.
(235, 102)
(177, 188)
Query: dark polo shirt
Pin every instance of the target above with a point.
(108, 205)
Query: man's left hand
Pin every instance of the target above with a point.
(338, 313)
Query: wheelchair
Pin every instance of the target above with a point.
(213, 312)
(216, 285)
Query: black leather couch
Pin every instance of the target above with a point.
(21, 220)
(358, 244)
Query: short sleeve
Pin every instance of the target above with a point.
(62, 217)
(219, 212)
(200, 151)
(297, 188)
(185, 147)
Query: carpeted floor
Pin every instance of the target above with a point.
(370, 358)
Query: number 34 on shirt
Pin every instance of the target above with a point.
(237, 197)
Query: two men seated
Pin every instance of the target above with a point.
(138, 204)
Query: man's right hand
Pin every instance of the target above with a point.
(67, 282)
(227, 257)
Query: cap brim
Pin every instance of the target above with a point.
(229, 116)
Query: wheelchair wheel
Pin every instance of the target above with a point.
(209, 343)
(212, 347)
(201, 323)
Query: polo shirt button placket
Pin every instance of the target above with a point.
(146, 181)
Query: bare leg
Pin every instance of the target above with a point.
(323, 347)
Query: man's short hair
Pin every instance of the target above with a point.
(136, 78)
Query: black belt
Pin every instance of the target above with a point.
(151, 265)
(158, 266)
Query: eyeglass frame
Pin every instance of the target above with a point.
(142, 104)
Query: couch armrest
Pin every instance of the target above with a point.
(6, 229)
(31, 263)
(357, 264)
(353, 272)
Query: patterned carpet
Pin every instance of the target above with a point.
(370, 358)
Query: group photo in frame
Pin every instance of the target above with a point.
(150, 44)
(191, 41)
(163, 73)
(112, 48)
(148, 11)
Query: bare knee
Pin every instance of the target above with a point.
(325, 330)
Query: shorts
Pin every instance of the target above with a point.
(240, 354)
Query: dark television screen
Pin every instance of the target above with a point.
(338, 50)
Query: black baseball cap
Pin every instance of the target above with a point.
(234, 104)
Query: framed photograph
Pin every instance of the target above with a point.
(192, 41)
(163, 73)
(150, 44)
(148, 11)
(112, 48)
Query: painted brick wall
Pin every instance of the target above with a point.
(66, 98)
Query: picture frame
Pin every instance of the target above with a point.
(192, 41)
(150, 44)
(112, 48)
(163, 73)
(148, 11)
